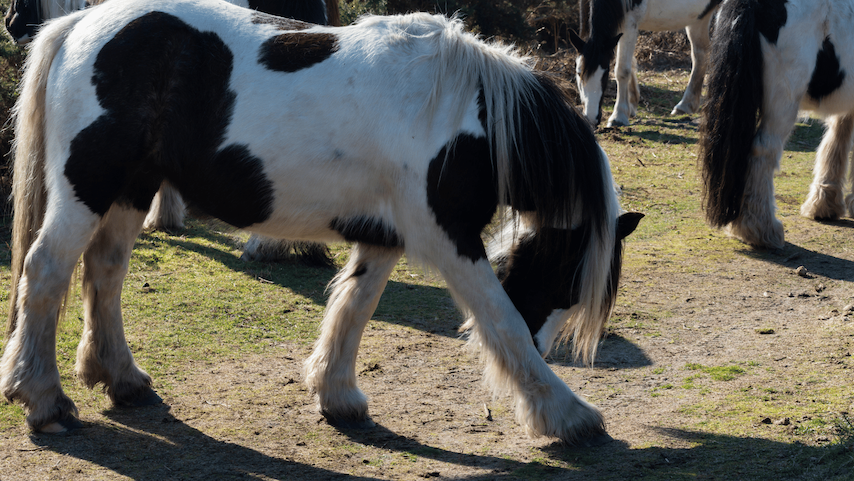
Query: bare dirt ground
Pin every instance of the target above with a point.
(790, 335)
(252, 417)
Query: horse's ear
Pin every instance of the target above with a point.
(615, 41)
(627, 223)
(576, 41)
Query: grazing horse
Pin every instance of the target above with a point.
(615, 24)
(770, 60)
(168, 208)
(400, 134)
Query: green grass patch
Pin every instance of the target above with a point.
(718, 373)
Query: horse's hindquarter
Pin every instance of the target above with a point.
(814, 46)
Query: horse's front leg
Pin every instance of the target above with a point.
(623, 71)
(825, 200)
(698, 35)
(330, 371)
(28, 371)
(103, 355)
(545, 405)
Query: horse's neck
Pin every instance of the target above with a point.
(57, 8)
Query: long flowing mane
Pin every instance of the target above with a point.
(558, 183)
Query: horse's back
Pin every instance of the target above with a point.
(668, 15)
(257, 120)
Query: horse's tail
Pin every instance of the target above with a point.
(29, 195)
(731, 111)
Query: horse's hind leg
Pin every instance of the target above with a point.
(757, 224)
(103, 354)
(167, 209)
(330, 372)
(825, 200)
(28, 371)
(698, 35)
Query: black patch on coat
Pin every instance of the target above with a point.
(827, 76)
(462, 192)
(713, 4)
(368, 230)
(287, 24)
(311, 11)
(771, 16)
(164, 88)
(291, 52)
(22, 18)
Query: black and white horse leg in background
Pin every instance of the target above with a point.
(167, 209)
(624, 71)
(698, 35)
(826, 198)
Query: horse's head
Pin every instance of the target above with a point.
(591, 72)
(540, 274)
(22, 19)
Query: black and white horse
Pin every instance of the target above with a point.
(615, 24)
(168, 209)
(401, 134)
(770, 60)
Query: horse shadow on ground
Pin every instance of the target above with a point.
(150, 443)
(815, 263)
(615, 352)
(425, 308)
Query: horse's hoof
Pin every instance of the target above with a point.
(64, 425)
(141, 398)
(617, 123)
(347, 423)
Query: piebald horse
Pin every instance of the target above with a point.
(770, 60)
(400, 134)
(615, 24)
